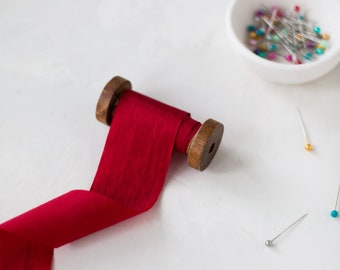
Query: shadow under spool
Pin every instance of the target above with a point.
(203, 145)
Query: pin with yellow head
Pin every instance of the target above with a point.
(308, 145)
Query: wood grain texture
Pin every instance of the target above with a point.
(109, 98)
(203, 146)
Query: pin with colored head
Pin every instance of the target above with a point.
(308, 145)
(334, 212)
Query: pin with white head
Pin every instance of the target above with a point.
(308, 145)
(269, 243)
(334, 212)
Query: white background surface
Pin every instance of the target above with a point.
(56, 56)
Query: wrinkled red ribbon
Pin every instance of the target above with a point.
(143, 134)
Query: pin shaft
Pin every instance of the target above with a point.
(303, 127)
(337, 198)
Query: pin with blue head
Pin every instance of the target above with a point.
(334, 212)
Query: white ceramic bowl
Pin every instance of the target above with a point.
(326, 14)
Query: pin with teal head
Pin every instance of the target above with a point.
(334, 212)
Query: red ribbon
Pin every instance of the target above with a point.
(143, 134)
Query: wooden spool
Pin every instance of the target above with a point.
(202, 146)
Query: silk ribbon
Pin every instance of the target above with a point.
(131, 173)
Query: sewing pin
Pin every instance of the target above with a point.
(308, 145)
(269, 243)
(334, 212)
